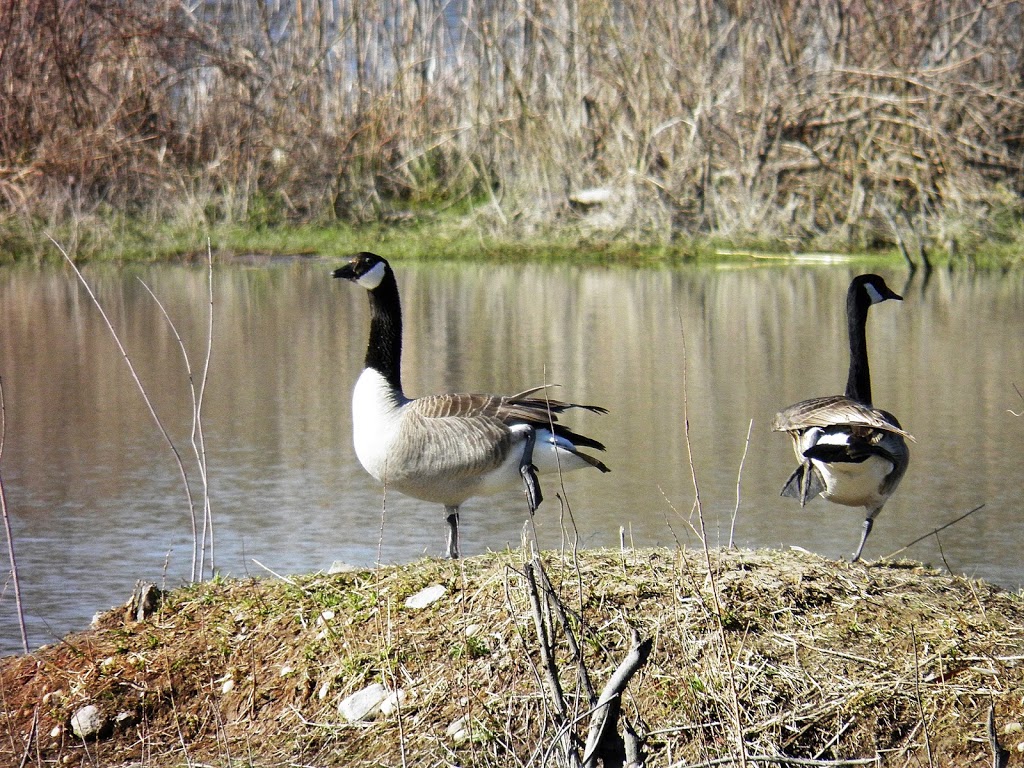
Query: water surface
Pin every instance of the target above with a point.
(97, 501)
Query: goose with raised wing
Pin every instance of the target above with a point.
(448, 448)
(850, 453)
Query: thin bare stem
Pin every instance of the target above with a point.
(739, 477)
(934, 531)
(1021, 396)
(197, 561)
(142, 390)
(198, 439)
(7, 528)
(734, 696)
(917, 696)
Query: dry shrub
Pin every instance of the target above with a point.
(817, 122)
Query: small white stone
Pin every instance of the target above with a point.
(458, 731)
(426, 596)
(49, 696)
(324, 617)
(364, 704)
(227, 686)
(87, 722)
(324, 690)
(341, 567)
(391, 704)
(591, 196)
(286, 670)
(472, 630)
(57, 730)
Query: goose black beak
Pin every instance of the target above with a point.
(347, 272)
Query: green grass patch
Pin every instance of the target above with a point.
(450, 235)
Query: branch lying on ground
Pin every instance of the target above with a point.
(606, 715)
(603, 741)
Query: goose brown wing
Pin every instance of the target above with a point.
(453, 436)
(836, 411)
(507, 409)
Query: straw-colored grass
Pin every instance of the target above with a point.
(828, 662)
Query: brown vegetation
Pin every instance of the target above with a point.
(841, 123)
(777, 658)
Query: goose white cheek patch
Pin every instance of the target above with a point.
(373, 278)
(873, 293)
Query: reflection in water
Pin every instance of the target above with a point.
(97, 501)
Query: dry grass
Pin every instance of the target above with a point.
(831, 661)
(796, 123)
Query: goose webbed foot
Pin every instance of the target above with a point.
(529, 472)
(533, 495)
(453, 532)
(805, 483)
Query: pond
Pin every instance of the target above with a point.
(97, 501)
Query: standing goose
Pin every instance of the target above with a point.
(849, 452)
(448, 448)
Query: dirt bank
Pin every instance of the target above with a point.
(821, 662)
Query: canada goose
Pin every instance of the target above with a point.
(849, 452)
(448, 448)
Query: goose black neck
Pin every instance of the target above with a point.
(384, 350)
(858, 382)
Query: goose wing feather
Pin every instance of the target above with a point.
(541, 413)
(466, 435)
(437, 440)
(836, 411)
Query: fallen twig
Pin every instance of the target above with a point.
(1000, 756)
(608, 705)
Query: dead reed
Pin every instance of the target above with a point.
(846, 124)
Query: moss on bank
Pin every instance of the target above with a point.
(822, 660)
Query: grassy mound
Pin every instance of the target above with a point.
(768, 654)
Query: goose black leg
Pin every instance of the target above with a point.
(453, 532)
(869, 521)
(529, 472)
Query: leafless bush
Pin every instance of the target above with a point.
(812, 121)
